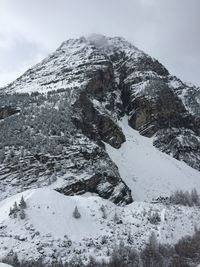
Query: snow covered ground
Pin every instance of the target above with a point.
(49, 228)
(4, 265)
(148, 172)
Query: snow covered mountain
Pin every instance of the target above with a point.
(103, 120)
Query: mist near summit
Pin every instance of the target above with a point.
(167, 30)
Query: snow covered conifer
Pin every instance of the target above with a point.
(15, 210)
(22, 203)
(53, 177)
(195, 197)
(151, 255)
(76, 213)
(11, 212)
(2, 155)
(76, 262)
(153, 243)
(116, 218)
(104, 215)
(92, 262)
(130, 238)
(12, 152)
(15, 260)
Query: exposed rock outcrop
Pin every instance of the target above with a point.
(105, 186)
(7, 111)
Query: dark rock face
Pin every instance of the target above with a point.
(162, 110)
(101, 184)
(96, 125)
(7, 111)
(181, 143)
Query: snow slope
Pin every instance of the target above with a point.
(50, 230)
(148, 172)
(4, 265)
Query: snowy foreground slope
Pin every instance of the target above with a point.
(148, 172)
(49, 228)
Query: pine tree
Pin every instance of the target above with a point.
(16, 262)
(116, 218)
(11, 212)
(15, 210)
(76, 213)
(53, 177)
(22, 203)
(104, 215)
(153, 243)
(76, 262)
(195, 197)
(2, 155)
(92, 262)
(151, 256)
(130, 238)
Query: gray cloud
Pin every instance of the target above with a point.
(168, 30)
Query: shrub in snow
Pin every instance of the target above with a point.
(76, 262)
(12, 259)
(185, 253)
(185, 198)
(103, 240)
(76, 213)
(92, 262)
(130, 239)
(124, 256)
(154, 218)
(22, 214)
(116, 219)
(103, 210)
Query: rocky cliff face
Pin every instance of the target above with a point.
(7, 112)
(69, 107)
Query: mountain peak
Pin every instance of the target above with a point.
(89, 120)
(99, 41)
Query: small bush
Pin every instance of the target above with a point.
(76, 213)
(155, 218)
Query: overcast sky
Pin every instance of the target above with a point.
(168, 30)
